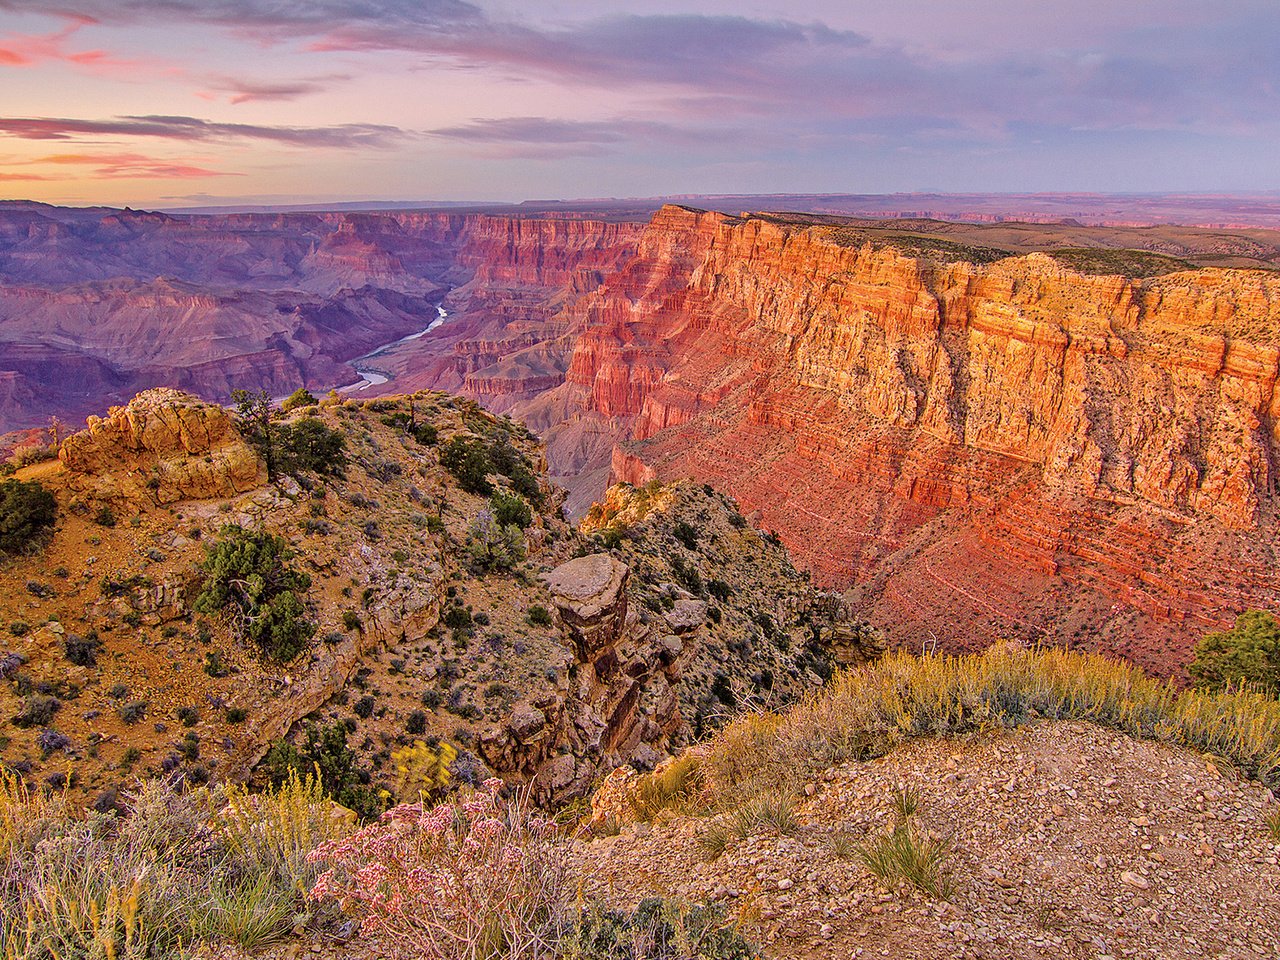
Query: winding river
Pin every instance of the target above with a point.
(372, 378)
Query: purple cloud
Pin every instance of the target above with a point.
(268, 15)
(342, 136)
(254, 91)
(545, 137)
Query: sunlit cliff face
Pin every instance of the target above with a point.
(155, 102)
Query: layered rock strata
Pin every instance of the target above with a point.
(617, 703)
(960, 442)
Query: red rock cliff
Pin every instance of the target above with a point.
(957, 439)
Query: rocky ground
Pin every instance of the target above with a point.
(412, 641)
(1069, 841)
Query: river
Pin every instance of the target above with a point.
(372, 378)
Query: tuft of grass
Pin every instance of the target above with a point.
(774, 810)
(254, 913)
(675, 787)
(713, 841)
(1273, 824)
(905, 804)
(843, 845)
(907, 854)
(865, 712)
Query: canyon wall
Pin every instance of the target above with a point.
(96, 305)
(1013, 447)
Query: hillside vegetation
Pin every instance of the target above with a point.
(808, 777)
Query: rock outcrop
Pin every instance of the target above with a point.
(618, 702)
(161, 447)
(590, 594)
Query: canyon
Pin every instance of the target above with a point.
(1048, 432)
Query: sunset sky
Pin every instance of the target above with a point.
(184, 102)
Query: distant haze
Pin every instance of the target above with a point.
(186, 103)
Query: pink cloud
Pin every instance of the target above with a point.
(190, 129)
(26, 50)
(238, 91)
(122, 166)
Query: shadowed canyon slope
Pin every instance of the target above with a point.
(98, 304)
(979, 441)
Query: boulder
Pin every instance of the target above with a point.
(591, 597)
(687, 615)
(161, 447)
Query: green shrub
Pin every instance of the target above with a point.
(27, 511)
(510, 510)
(468, 461)
(491, 546)
(82, 651)
(720, 590)
(324, 749)
(133, 711)
(213, 664)
(686, 534)
(1247, 655)
(309, 445)
(539, 616)
(105, 517)
(425, 433)
(37, 711)
(302, 397)
(471, 461)
(686, 574)
(248, 579)
(457, 618)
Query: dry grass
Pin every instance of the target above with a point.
(674, 788)
(773, 810)
(907, 854)
(866, 712)
(180, 868)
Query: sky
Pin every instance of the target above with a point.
(190, 102)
